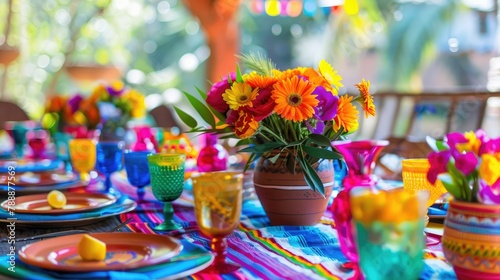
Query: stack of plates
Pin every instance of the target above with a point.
(80, 209)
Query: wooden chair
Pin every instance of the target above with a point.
(11, 112)
(405, 119)
(164, 117)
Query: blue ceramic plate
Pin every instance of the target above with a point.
(28, 165)
(437, 211)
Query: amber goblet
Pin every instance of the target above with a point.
(217, 206)
(83, 153)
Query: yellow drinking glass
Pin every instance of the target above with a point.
(414, 172)
(217, 205)
(82, 153)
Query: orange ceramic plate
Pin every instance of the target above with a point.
(125, 250)
(76, 203)
(30, 179)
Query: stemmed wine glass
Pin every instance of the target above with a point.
(167, 182)
(82, 152)
(217, 205)
(136, 165)
(109, 160)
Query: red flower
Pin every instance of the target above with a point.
(263, 105)
(243, 123)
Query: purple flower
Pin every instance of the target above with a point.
(489, 194)
(465, 162)
(74, 103)
(115, 89)
(327, 106)
(438, 162)
(316, 127)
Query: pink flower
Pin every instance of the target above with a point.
(465, 162)
(438, 162)
(214, 96)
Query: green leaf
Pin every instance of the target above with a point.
(186, 118)
(202, 109)
(239, 77)
(262, 148)
(453, 188)
(273, 159)
(436, 145)
(321, 153)
(311, 177)
(290, 163)
(202, 93)
(320, 139)
(257, 62)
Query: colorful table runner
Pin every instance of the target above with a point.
(270, 252)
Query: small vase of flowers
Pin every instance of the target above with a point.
(468, 165)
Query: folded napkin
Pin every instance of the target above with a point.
(194, 256)
(122, 204)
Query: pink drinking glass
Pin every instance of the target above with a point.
(37, 140)
(360, 157)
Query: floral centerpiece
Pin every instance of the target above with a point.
(297, 112)
(115, 105)
(107, 108)
(468, 165)
(62, 111)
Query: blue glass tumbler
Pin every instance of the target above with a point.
(136, 165)
(61, 141)
(109, 160)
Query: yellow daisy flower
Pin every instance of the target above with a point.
(239, 95)
(330, 74)
(347, 115)
(368, 105)
(294, 99)
(137, 103)
(489, 170)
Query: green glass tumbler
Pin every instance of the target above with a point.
(167, 182)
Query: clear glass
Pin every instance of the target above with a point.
(82, 153)
(217, 205)
(167, 182)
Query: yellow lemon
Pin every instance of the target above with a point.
(91, 249)
(56, 199)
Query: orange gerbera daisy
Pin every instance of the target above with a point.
(257, 81)
(347, 115)
(368, 105)
(294, 99)
(239, 95)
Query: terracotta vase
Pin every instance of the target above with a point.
(8, 54)
(286, 197)
(471, 240)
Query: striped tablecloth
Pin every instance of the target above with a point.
(269, 252)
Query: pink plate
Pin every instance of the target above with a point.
(125, 250)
